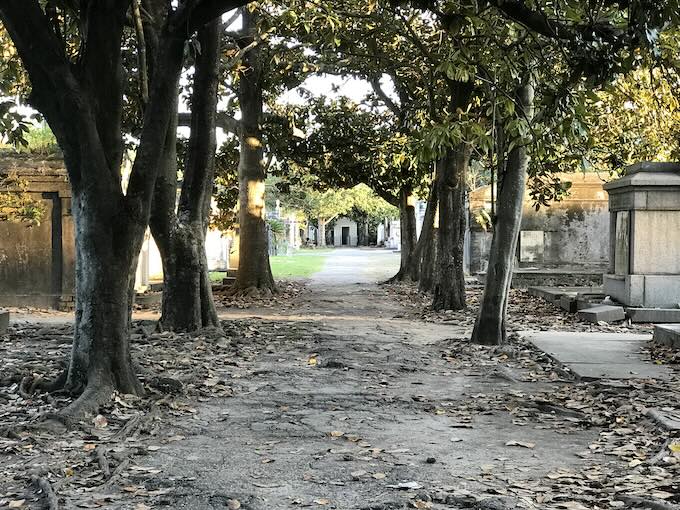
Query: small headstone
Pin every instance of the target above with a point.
(4, 321)
(602, 313)
(229, 280)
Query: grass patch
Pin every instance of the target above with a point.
(217, 276)
(302, 264)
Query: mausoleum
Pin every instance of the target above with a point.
(644, 208)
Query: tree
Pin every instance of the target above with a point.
(490, 324)
(81, 97)
(179, 231)
(254, 272)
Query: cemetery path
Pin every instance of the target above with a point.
(346, 398)
(350, 404)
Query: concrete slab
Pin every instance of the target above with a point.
(4, 321)
(599, 355)
(667, 334)
(654, 315)
(606, 313)
(552, 294)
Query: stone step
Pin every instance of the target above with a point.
(667, 334)
(4, 321)
(654, 315)
(148, 299)
(604, 313)
(155, 286)
(229, 280)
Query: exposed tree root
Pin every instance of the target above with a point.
(87, 404)
(23, 387)
(103, 462)
(251, 292)
(651, 504)
(59, 383)
(663, 452)
(44, 486)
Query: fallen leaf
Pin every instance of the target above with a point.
(379, 476)
(100, 422)
(233, 504)
(17, 503)
(520, 443)
(322, 501)
(336, 433)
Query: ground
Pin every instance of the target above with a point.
(351, 395)
(302, 264)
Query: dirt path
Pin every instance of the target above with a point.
(352, 408)
(346, 399)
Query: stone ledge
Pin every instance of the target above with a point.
(654, 315)
(667, 334)
(604, 313)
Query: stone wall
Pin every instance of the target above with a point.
(572, 233)
(37, 263)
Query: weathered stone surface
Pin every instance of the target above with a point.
(4, 321)
(568, 302)
(232, 273)
(605, 313)
(599, 355)
(229, 280)
(667, 334)
(148, 299)
(644, 291)
(654, 315)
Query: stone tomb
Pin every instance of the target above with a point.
(4, 321)
(644, 206)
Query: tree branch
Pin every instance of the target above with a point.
(228, 123)
(377, 88)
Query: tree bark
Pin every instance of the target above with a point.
(254, 272)
(105, 262)
(424, 258)
(449, 278)
(408, 234)
(490, 326)
(188, 303)
(321, 241)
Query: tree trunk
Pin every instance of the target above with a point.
(105, 262)
(254, 272)
(321, 239)
(426, 248)
(449, 286)
(490, 326)
(188, 303)
(408, 234)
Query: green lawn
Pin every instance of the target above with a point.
(302, 264)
